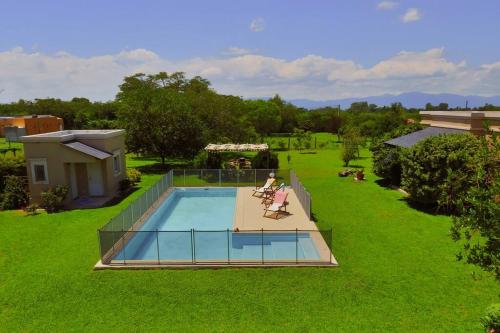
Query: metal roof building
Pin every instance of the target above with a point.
(407, 141)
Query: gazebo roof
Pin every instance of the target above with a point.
(227, 147)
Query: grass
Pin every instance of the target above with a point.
(5, 144)
(398, 272)
(322, 141)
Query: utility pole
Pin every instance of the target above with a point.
(466, 105)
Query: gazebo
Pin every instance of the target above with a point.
(232, 147)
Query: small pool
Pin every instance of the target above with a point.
(196, 225)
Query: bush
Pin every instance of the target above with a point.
(282, 145)
(15, 195)
(11, 166)
(437, 170)
(387, 159)
(259, 161)
(204, 160)
(134, 176)
(491, 320)
(52, 200)
(124, 185)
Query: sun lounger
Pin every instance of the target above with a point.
(259, 192)
(269, 195)
(279, 203)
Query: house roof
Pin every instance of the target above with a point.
(91, 151)
(411, 139)
(68, 135)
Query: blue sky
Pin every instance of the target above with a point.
(300, 49)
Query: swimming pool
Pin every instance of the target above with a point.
(195, 225)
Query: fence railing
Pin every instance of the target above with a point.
(126, 220)
(123, 241)
(227, 177)
(302, 194)
(259, 247)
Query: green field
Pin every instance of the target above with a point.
(397, 272)
(4, 144)
(318, 141)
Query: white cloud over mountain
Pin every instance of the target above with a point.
(63, 75)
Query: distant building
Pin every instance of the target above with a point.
(90, 162)
(13, 128)
(472, 121)
(449, 122)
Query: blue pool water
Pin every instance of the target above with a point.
(196, 224)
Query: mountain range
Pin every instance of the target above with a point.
(409, 100)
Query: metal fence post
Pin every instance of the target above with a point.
(193, 245)
(184, 177)
(262, 243)
(123, 248)
(220, 177)
(296, 245)
(157, 247)
(228, 255)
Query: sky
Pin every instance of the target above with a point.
(311, 49)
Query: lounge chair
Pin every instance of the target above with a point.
(259, 192)
(269, 195)
(277, 205)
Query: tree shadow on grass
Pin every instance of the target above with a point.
(424, 208)
(158, 168)
(116, 200)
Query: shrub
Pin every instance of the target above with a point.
(348, 153)
(259, 161)
(491, 320)
(436, 171)
(15, 195)
(282, 145)
(387, 159)
(52, 200)
(134, 176)
(124, 185)
(204, 160)
(11, 166)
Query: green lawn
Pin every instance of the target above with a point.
(397, 273)
(5, 144)
(322, 141)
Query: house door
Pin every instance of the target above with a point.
(94, 172)
(81, 179)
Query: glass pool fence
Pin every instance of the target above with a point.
(122, 241)
(224, 247)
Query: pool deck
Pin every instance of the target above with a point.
(250, 210)
(249, 213)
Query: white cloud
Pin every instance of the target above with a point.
(411, 15)
(257, 24)
(63, 75)
(387, 5)
(234, 50)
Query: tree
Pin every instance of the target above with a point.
(157, 118)
(264, 115)
(478, 219)
(437, 170)
(352, 139)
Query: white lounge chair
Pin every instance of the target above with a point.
(259, 192)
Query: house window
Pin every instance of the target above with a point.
(116, 163)
(39, 171)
